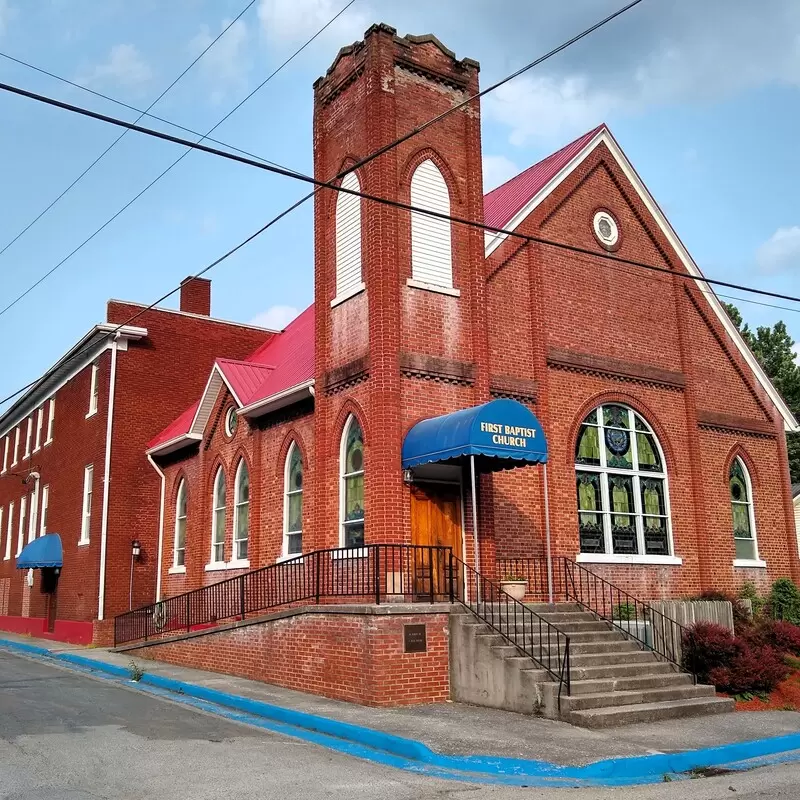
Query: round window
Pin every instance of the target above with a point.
(605, 229)
(231, 421)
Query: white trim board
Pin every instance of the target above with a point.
(494, 240)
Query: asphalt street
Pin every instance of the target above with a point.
(67, 736)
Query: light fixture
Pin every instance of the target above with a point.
(136, 548)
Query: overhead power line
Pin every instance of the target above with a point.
(194, 145)
(116, 141)
(383, 200)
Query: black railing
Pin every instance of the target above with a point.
(370, 574)
(532, 570)
(636, 619)
(528, 631)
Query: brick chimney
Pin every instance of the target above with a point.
(196, 296)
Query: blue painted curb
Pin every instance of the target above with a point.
(411, 754)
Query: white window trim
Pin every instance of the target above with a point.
(343, 475)
(285, 555)
(94, 392)
(746, 562)
(33, 514)
(299, 556)
(43, 509)
(177, 570)
(357, 289)
(212, 564)
(432, 287)
(237, 504)
(2, 511)
(606, 558)
(9, 531)
(37, 444)
(604, 470)
(86, 508)
(5, 455)
(175, 565)
(238, 563)
(28, 437)
(51, 417)
(431, 237)
(16, 447)
(23, 506)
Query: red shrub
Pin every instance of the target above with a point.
(708, 647)
(752, 669)
(783, 636)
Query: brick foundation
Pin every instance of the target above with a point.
(352, 653)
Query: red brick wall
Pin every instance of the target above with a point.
(354, 657)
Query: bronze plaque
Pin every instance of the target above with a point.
(415, 638)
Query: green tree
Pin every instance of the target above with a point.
(774, 349)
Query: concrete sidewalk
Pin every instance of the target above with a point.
(455, 729)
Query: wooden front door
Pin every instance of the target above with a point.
(435, 522)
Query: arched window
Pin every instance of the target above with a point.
(623, 502)
(352, 484)
(179, 544)
(241, 512)
(431, 247)
(744, 523)
(293, 503)
(218, 519)
(348, 238)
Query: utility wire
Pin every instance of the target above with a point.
(190, 145)
(383, 200)
(123, 134)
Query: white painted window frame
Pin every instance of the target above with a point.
(213, 562)
(94, 391)
(44, 505)
(348, 248)
(9, 531)
(757, 562)
(6, 449)
(23, 505)
(342, 482)
(180, 498)
(238, 504)
(37, 444)
(287, 493)
(33, 513)
(51, 417)
(86, 513)
(16, 447)
(28, 437)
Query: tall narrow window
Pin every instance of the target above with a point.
(43, 511)
(39, 425)
(431, 245)
(9, 530)
(348, 239)
(23, 504)
(744, 523)
(241, 512)
(218, 520)
(16, 446)
(352, 484)
(86, 521)
(179, 546)
(33, 516)
(293, 503)
(51, 418)
(94, 390)
(5, 454)
(28, 436)
(621, 485)
(1, 528)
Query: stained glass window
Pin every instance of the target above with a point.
(621, 485)
(744, 534)
(353, 484)
(179, 558)
(241, 512)
(218, 519)
(293, 507)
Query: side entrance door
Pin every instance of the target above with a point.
(435, 522)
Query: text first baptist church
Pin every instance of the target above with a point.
(611, 409)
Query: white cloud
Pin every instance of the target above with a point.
(226, 64)
(125, 66)
(275, 318)
(781, 251)
(292, 21)
(497, 170)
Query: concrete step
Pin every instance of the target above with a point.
(580, 702)
(587, 632)
(625, 669)
(635, 682)
(556, 645)
(650, 712)
(627, 657)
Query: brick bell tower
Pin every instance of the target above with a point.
(400, 322)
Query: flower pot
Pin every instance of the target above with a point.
(516, 589)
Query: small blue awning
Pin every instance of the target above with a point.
(503, 433)
(42, 552)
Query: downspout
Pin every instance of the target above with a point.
(101, 598)
(160, 524)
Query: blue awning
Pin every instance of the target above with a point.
(503, 433)
(42, 552)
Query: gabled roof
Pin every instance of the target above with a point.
(517, 198)
(796, 491)
(279, 372)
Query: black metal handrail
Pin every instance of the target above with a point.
(371, 573)
(535, 637)
(532, 569)
(635, 618)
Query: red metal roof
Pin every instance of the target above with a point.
(179, 427)
(501, 204)
(244, 377)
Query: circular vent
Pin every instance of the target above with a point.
(605, 229)
(231, 421)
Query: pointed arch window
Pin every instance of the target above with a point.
(431, 237)
(621, 480)
(179, 544)
(352, 485)
(218, 519)
(241, 512)
(349, 279)
(293, 503)
(744, 523)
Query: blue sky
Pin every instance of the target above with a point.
(702, 97)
